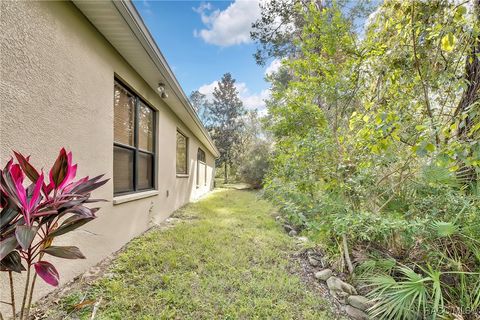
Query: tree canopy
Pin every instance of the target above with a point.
(377, 137)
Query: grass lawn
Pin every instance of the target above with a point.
(228, 259)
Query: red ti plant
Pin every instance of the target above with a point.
(31, 217)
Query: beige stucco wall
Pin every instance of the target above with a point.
(56, 90)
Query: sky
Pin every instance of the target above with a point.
(202, 40)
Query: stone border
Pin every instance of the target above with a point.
(354, 305)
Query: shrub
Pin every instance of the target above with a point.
(32, 217)
(254, 164)
(376, 147)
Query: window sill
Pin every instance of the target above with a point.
(179, 175)
(134, 196)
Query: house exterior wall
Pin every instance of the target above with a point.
(56, 90)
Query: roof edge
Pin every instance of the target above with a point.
(134, 19)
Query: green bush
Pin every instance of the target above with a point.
(377, 154)
(254, 164)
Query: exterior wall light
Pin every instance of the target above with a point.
(161, 89)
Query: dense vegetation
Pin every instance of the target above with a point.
(377, 144)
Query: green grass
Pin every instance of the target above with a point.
(227, 260)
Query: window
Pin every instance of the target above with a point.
(182, 155)
(201, 155)
(134, 142)
(201, 168)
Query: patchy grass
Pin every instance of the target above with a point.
(231, 262)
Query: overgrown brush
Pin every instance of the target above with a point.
(377, 147)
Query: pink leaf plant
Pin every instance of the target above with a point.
(31, 216)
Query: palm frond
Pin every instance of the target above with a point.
(445, 229)
(373, 266)
(404, 299)
(411, 296)
(439, 175)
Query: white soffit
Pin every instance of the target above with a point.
(120, 23)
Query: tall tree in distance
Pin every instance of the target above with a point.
(201, 105)
(226, 112)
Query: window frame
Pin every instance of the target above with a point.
(182, 174)
(135, 148)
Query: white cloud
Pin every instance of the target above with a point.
(256, 101)
(201, 10)
(207, 89)
(251, 101)
(228, 27)
(242, 88)
(273, 67)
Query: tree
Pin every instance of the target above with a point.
(226, 112)
(375, 136)
(468, 107)
(201, 105)
(251, 158)
(279, 27)
(254, 164)
(274, 30)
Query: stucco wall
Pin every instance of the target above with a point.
(56, 90)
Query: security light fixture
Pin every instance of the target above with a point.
(161, 89)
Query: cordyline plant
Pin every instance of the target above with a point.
(31, 217)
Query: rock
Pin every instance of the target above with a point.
(340, 296)
(336, 284)
(323, 274)
(314, 262)
(355, 313)
(302, 239)
(359, 302)
(292, 233)
(287, 228)
(315, 259)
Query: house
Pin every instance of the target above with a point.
(88, 76)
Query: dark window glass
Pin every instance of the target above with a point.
(122, 169)
(134, 142)
(201, 155)
(145, 170)
(182, 144)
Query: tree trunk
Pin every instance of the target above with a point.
(470, 96)
(346, 254)
(226, 173)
